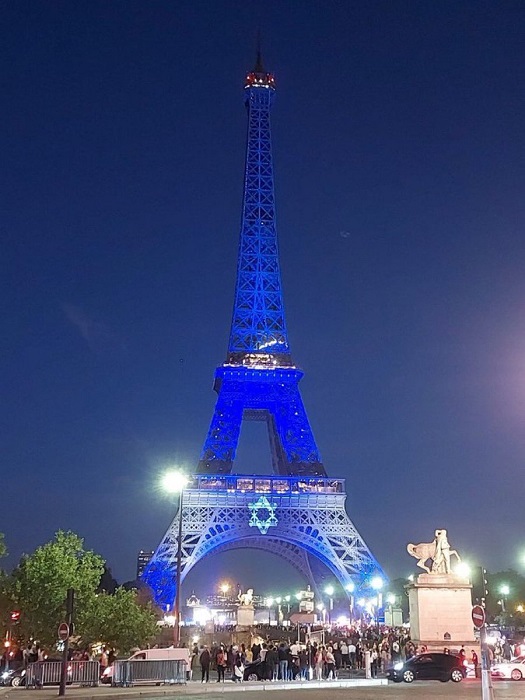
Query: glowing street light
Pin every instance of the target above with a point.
(269, 603)
(224, 588)
(504, 590)
(350, 588)
(377, 583)
(329, 590)
(462, 569)
(174, 482)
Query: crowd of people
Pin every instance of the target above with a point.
(369, 649)
(285, 661)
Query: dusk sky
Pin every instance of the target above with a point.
(399, 148)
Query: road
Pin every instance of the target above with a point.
(420, 690)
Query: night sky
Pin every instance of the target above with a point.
(399, 145)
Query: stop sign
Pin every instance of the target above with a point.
(478, 616)
(63, 631)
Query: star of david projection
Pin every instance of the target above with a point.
(263, 515)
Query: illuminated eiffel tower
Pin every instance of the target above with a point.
(299, 512)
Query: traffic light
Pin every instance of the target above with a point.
(15, 616)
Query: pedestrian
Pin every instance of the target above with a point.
(351, 654)
(238, 668)
(272, 664)
(220, 662)
(345, 661)
(303, 664)
(374, 658)
(194, 662)
(205, 660)
(330, 664)
(319, 662)
(282, 653)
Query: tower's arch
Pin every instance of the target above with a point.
(298, 519)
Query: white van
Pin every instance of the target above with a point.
(152, 655)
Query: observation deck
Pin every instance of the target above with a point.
(246, 483)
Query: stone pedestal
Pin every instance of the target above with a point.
(245, 616)
(441, 611)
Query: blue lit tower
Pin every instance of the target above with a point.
(259, 381)
(299, 512)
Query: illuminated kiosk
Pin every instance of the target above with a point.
(299, 512)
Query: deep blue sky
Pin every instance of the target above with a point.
(400, 164)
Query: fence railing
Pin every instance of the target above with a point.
(170, 671)
(41, 673)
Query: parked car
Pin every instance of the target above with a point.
(254, 671)
(13, 677)
(514, 669)
(429, 667)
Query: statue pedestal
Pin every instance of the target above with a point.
(440, 611)
(245, 616)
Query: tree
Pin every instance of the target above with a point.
(3, 548)
(41, 580)
(119, 621)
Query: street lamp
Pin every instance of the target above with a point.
(350, 588)
(462, 569)
(269, 603)
(391, 600)
(377, 584)
(174, 482)
(279, 610)
(329, 590)
(504, 590)
(224, 588)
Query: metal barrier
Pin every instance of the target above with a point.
(167, 671)
(82, 673)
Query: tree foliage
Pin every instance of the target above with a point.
(119, 621)
(40, 583)
(3, 548)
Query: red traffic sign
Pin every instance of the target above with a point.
(63, 631)
(478, 616)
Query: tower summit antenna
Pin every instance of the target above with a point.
(259, 68)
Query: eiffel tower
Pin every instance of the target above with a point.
(299, 512)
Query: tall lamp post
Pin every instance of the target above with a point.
(377, 584)
(504, 590)
(269, 603)
(329, 590)
(350, 588)
(174, 482)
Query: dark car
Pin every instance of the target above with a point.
(254, 671)
(428, 667)
(13, 677)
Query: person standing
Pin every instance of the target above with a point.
(272, 664)
(221, 665)
(344, 654)
(205, 660)
(319, 661)
(194, 663)
(330, 664)
(282, 653)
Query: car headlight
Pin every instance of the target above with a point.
(5, 674)
(398, 667)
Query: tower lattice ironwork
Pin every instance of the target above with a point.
(298, 513)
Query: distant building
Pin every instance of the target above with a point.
(143, 559)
